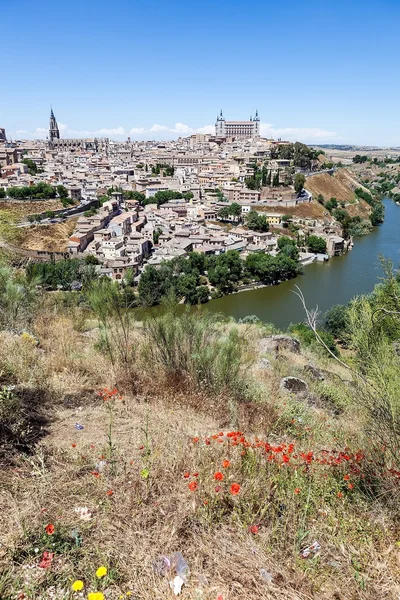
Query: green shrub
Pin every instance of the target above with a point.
(196, 348)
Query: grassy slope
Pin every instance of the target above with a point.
(151, 510)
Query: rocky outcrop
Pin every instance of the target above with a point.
(276, 343)
(314, 372)
(293, 385)
(264, 364)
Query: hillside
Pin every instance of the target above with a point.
(52, 237)
(25, 207)
(124, 442)
(340, 185)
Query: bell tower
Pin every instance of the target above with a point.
(54, 133)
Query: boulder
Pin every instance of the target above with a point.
(313, 371)
(396, 347)
(275, 343)
(264, 364)
(293, 385)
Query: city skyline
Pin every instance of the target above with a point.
(160, 71)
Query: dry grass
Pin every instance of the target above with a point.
(23, 208)
(152, 512)
(48, 237)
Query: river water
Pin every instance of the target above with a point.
(323, 284)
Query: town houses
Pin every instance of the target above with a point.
(144, 202)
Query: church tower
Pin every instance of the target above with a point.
(54, 134)
(220, 125)
(256, 122)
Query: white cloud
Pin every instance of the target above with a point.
(115, 131)
(297, 133)
(164, 132)
(206, 129)
(157, 128)
(182, 128)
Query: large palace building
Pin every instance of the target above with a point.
(237, 129)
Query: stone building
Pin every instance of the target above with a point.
(237, 129)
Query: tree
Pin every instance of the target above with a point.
(233, 210)
(62, 191)
(150, 287)
(299, 182)
(316, 244)
(340, 214)
(202, 294)
(134, 195)
(336, 321)
(2, 192)
(156, 234)
(378, 214)
(256, 222)
(285, 240)
(331, 204)
(275, 180)
(32, 166)
(286, 220)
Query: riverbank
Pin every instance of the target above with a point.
(323, 285)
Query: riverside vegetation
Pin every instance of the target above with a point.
(122, 441)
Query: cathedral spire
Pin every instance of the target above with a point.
(54, 133)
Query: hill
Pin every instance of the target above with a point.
(267, 463)
(340, 185)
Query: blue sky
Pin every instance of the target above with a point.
(317, 71)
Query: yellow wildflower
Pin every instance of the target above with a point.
(95, 596)
(78, 585)
(101, 571)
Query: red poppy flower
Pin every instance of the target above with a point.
(235, 489)
(95, 474)
(217, 488)
(346, 477)
(297, 491)
(195, 440)
(226, 464)
(350, 486)
(73, 445)
(254, 529)
(192, 486)
(110, 493)
(50, 529)
(339, 495)
(92, 446)
(46, 561)
(186, 475)
(195, 474)
(218, 476)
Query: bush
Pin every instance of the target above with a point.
(194, 348)
(307, 337)
(336, 321)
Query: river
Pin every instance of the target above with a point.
(323, 284)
